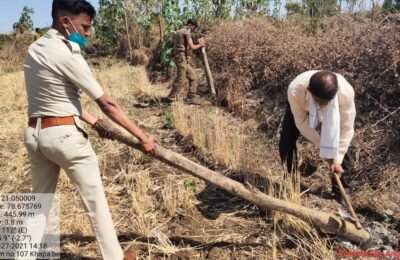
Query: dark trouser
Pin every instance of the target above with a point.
(185, 73)
(288, 150)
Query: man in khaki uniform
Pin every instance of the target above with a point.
(325, 97)
(182, 44)
(55, 75)
(37, 34)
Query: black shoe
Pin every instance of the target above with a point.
(328, 195)
(194, 101)
(168, 100)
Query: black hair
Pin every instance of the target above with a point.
(191, 22)
(324, 84)
(37, 29)
(73, 7)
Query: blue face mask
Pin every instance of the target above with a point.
(77, 37)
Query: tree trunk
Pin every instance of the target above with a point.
(128, 37)
(160, 24)
(373, 11)
(327, 222)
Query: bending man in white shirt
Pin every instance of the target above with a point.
(320, 97)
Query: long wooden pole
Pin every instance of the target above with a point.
(346, 200)
(209, 76)
(328, 222)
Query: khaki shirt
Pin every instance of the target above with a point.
(181, 40)
(299, 98)
(37, 36)
(55, 74)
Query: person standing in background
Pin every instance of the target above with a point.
(182, 44)
(37, 34)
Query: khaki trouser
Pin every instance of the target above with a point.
(67, 147)
(185, 73)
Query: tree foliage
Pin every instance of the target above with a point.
(117, 17)
(108, 23)
(391, 5)
(25, 23)
(293, 8)
(132, 22)
(315, 9)
(175, 18)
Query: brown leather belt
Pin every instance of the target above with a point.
(52, 121)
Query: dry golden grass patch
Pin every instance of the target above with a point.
(213, 133)
(122, 81)
(176, 195)
(309, 244)
(13, 120)
(12, 52)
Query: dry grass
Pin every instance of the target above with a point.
(12, 52)
(309, 244)
(227, 140)
(213, 133)
(258, 69)
(254, 61)
(166, 214)
(154, 206)
(122, 81)
(13, 156)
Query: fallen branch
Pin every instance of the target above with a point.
(327, 222)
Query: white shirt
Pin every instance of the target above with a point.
(299, 98)
(55, 72)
